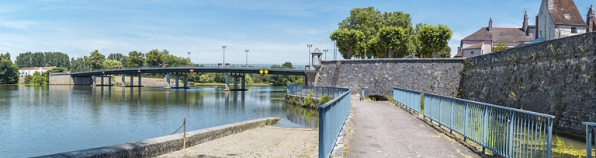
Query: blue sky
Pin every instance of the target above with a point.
(274, 31)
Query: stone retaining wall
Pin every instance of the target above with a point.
(556, 77)
(380, 76)
(161, 145)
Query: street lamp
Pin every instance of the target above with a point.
(309, 46)
(325, 50)
(246, 57)
(224, 56)
(188, 55)
(334, 51)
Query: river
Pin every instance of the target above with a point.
(41, 120)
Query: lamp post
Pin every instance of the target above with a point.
(325, 50)
(224, 56)
(334, 51)
(188, 55)
(246, 57)
(309, 46)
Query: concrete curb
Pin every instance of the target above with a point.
(165, 144)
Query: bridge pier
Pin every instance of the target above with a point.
(102, 80)
(235, 78)
(177, 79)
(131, 83)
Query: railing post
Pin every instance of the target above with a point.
(550, 137)
(485, 128)
(466, 121)
(451, 119)
(440, 112)
(511, 120)
(588, 141)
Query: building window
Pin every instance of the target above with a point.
(472, 52)
(573, 30)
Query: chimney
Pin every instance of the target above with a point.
(536, 29)
(525, 24)
(551, 5)
(589, 19)
(490, 25)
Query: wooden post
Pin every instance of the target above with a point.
(184, 140)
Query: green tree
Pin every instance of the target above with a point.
(366, 20)
(154, 57)
(134, 59)
(110, 64)
(9, 72)
(433, 38)
(116, 56)
(393, 38)
(96, 59)
(500, 46)
(39, 79)
(348, 42)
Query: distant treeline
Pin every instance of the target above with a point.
(97, 60)
(42, 59)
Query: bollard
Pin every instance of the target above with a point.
(184, 135)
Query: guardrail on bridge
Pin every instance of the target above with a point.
(505, 131)
(590, 136)
(332, 114)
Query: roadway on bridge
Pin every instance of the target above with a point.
(382, 129)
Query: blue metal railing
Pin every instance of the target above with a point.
(332, 114)
(590, 136)
(301, 90)
(507, 132)
(409, 98)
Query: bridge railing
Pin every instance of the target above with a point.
(254, 66)
(332, 114)
(505, 131)
(590, 136)
(318, 92)
(409, 98)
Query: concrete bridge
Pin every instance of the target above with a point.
(233, 73)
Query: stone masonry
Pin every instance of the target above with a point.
(556, 77)
(380, 76)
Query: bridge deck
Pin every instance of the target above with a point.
(195, 69)
(381, 129)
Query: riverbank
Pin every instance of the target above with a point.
(267, 141)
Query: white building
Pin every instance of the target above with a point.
(31, 70)
(558, 19)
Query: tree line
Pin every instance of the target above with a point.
(42, 59)
(96, 60)
(9, 72)
(367, 33)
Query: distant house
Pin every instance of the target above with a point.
(558, 19)
(31, 70)
(482, 41)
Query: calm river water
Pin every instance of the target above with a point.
(41, 120)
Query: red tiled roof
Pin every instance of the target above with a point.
(565, 12)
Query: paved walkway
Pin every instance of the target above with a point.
(381, 129)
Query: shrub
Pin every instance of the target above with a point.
(324, 99)
(308, 99)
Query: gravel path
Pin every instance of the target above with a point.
(268, 141)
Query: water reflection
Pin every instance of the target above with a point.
(39, 120)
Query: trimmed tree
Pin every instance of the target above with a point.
(393, 38)
(433, 38)
(348, 42)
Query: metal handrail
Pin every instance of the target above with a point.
(506, 131)
(409, 98)
(590, 136)
(332, 114)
